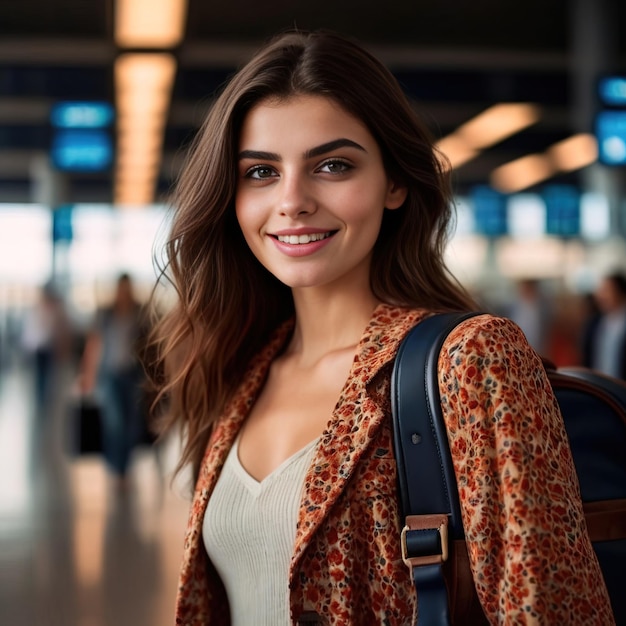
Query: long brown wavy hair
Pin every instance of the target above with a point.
(228, 304)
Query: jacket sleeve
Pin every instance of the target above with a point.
(530, 553)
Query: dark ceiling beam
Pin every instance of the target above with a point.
(73, 52)
(232, 54)
(26, 110)
(209, 54)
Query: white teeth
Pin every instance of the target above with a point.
(298, 239)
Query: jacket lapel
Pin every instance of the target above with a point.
(355, 422)
(223, 437)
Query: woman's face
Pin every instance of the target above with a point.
(608, 296)
(311, 191)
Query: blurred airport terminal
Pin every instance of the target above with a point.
(98, 101)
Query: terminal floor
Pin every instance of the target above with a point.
(74, 549)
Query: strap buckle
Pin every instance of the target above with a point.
(438, 523)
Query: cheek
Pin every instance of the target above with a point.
(364, 209)
(367, 197)
(247, 217)
(250, 234)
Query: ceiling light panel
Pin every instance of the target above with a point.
(150, 23)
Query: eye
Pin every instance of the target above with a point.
(334, 166)
(259, 172)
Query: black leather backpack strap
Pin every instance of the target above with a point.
(427, 486)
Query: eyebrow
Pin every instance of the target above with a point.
(313, 152)
(333, 145)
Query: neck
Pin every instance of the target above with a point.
(328, 323)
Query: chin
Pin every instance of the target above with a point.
(302, 282)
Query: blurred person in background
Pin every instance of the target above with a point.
(530, 310)
(47, 341)
(604, 336)
(570, 312)
(111, 370)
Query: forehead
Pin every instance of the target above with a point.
(305, 117)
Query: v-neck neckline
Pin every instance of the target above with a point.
(256, 486)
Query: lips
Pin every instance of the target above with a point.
(302, 244)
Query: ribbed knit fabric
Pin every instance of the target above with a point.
(249, 532)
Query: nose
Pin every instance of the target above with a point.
(295, 195)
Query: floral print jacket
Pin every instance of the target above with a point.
(530, 554)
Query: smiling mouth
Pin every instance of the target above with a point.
(302, 239)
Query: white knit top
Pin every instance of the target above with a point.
(249, 532)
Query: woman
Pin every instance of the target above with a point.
(308, 239)
(111, 368)
(604, 332)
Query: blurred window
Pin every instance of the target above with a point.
(25, 244)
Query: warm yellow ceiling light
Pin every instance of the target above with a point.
(149, 23)
(497, 123)
(137, 142)
(136, 73)
(486, 129)
(457, 151)
(134, 194)
(568, 155)
(522, 173)
(574, 153)
(143, 84)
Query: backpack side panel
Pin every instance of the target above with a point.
(594, 411)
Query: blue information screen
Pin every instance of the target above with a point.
(612, 90)
(490, 211)
(82, 150)
(62, 226)
(562, 210)
(611, 136)
(82, 115)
